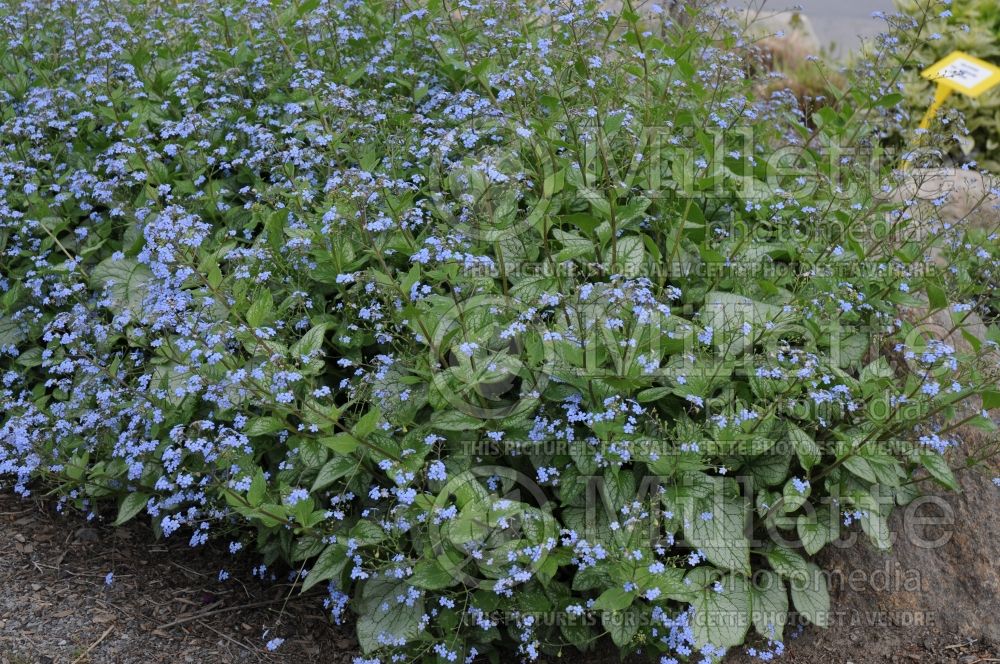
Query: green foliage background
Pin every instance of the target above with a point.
(973, 26)
(416, 301)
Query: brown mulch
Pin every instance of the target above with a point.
(165, 604)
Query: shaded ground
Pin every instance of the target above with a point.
(939, 604)
(164, 605)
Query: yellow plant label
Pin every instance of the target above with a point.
(963, 73)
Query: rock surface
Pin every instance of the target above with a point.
(792, 28)
(923, 602)
(926, 600)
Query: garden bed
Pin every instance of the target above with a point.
(494, 331)
(55, 605)
(164, 605)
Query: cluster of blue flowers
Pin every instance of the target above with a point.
(425, 304)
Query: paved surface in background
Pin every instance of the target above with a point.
(838, 23)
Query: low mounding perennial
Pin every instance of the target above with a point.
(516, 327)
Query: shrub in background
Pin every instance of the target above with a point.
(972, 26)
(514, 326)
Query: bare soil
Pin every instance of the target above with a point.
(934, 598)
(165, 604)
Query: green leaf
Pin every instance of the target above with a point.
(721, 538)
(333, 470)
(859, 466)
(817, 530)
(306, 7)
(77, 466)
(991, 399)
(367, 424)
(329, 564)
(275, 227)
(828, 116)
(769, 605)
(613, 599)
(806, 449)
(791, 498)
(938, 467)
(263, 426)
(720, 618)
(574, 246)
(590, 578)
(619, 487)
(613, 122)
(453, 420)
(978, 422)
(621, 625)
(973, 340)
(131, 505)
(367, 532)
(873, 465)
(889, 100)
(653, 394)
(381, 616)
(810, 596)
(129, 281)
(787, 563)
(308, 546)
(272, 515)
(311, 342)
(876, 526)
(11, 333)
(768, 469)
(258, 489)
(877, 370)
(214, 276)
(850, 349)
(341, 443)
(726, 312)
(312, 453)
(303, 511)
(430, 575)
(576, 632)
(261, 311)
(631, 252)
(936, 296)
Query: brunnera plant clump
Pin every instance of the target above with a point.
(515, 326)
